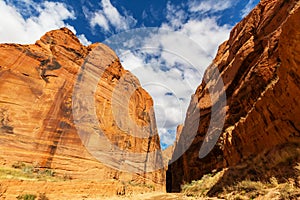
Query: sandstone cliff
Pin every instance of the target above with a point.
(259, 66)
(37, 119)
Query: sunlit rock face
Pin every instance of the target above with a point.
(259, 66)
(37, 120)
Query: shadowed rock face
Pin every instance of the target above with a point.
(36, 115)
(259, 66)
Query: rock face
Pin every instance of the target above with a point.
(37, 102)
(260, 69)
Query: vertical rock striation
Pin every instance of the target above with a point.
(259, 66)
(36, 115)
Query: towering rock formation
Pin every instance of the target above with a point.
(260, 69)
(37, 102)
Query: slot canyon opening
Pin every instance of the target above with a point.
(169, 180)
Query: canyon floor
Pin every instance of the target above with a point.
(25, 183)
(153, 196)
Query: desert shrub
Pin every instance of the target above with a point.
(28, 169)
(67, 177)
(42, 196)
(201, 187)
(26, 197)
(249, 186)
(273, 181)
(18, 165)
(288, 191)
(145, 185)
(48, 172)
(248, 189)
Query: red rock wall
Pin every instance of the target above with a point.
(259, 65)
(36, 119)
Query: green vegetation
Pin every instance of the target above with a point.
(201, 187)
(42, 196)
(245, 189)
(254, 189)
(144, 185)
(22, 171)
(26, 197)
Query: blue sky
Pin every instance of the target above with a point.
(169, 62)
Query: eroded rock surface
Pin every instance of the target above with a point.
(259, 66)
(36, 114)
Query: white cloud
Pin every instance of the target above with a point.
(131, 61)
(109, 17)
(167, 136)
(100, 20)
(206, 33)
(182, 50)
(14, 28)
(248, 8)
(209, 5)
(175, 15)
(170, 87)
(84, 40)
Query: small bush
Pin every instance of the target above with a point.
(48, 172)
(249, 186)
(42, 196)
(136, 184)
(273, 182)
(67, 177)
(200, 188)
(20, 170)
(150, 186)
(28, 169)
(253, 189)
(18, 165)
(26, 197)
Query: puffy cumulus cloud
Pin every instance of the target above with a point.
(109, 17)
(83, 40)
(169, 77)
(28, 22)
(100, 20)
(209, 5)
(131, 61)
(170, 62)
(206, 33)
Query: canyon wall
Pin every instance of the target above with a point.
(259, 67)
(37, 122)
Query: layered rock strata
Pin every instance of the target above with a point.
(37, 120)
(259, 68)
